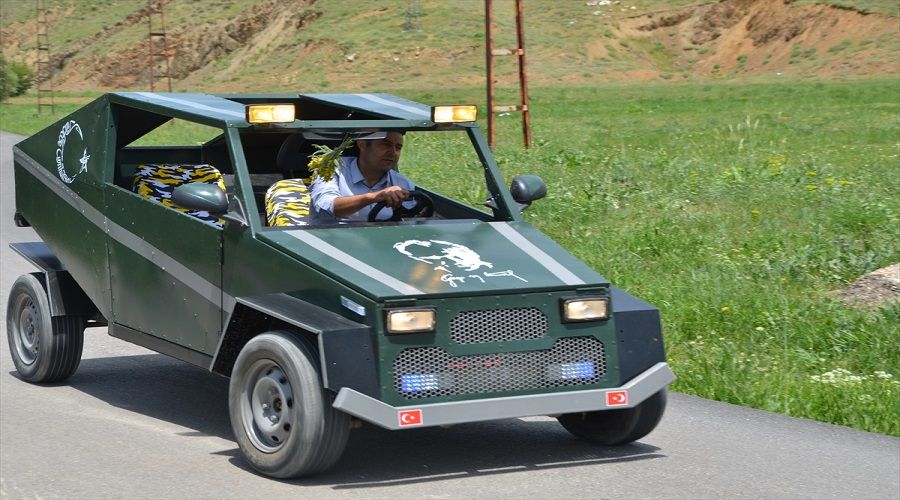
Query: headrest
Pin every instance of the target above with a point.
(291, 160)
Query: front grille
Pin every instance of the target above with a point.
(498, 325)
(427, 372)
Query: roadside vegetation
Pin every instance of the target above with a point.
(15, 78)
(736, 208)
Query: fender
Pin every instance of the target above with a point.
(346, 348)
(65, 295)
(639, 331)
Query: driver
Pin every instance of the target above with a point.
(361, 182)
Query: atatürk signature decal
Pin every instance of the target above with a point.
(452, 258)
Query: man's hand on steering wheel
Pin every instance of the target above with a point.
(392, 196)
(424, 206)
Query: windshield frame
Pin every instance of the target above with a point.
(506, 208)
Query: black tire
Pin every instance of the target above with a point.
(615, 427)
(43, 348)
(281, 415)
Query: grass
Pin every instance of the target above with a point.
(733, 207)
(736, 208)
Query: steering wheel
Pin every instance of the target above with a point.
(424, 208)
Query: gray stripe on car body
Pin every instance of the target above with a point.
(551, 264)
(404, 107)
(166, 263)
(202, 107)
(354, 263)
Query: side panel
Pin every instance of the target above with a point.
(254, 268)
(58, 176)
(165, 271)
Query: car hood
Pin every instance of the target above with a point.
(437, 258)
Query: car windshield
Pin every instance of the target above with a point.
(444, 165)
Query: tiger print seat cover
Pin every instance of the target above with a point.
(287, 203)
(157, 181)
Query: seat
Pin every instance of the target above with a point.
(287, 203)
(156, 182)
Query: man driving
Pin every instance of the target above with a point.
(361, 182)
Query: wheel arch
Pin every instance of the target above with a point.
(64, 294)
(346, 349)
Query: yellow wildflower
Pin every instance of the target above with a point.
(326, 161)
(829, 180)
(725, 309)
(754, 213)
(811, 187)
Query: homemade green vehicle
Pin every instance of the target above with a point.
(465, 315)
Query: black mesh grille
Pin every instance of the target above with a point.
(498, 325)
(425, 372)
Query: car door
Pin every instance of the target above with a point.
(165, 271)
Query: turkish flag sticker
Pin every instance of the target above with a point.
(409, 418)
(617, 398)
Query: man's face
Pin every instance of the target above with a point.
(381, 154)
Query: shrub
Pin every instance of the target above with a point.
(9, 81)
(25, 76)
(15, 78)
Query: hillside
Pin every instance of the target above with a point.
(231, 45)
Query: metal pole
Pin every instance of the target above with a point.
(523, 82)
(488, 15)
(150, 39)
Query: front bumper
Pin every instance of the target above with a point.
(635, 391)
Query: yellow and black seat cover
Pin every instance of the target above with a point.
(157, 181)
(287, 203)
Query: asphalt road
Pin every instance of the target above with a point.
(135, 424)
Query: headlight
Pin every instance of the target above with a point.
(585, 309)
(453, 114)
(270, 113)
(410, 320)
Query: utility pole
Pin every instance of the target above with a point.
(156, 41)
(43, 72)
(519, 52)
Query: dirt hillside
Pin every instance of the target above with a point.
(281, 44)
(753, 36)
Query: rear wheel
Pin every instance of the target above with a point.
(43, 348)
(281, 415)
(614, 427)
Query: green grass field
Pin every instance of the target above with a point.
(736, 208)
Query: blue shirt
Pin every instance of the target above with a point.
(349, 181)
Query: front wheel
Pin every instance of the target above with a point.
(43, 348)
(281, 415)
(615, 427)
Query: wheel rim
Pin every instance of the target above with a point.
(267, 402)
(25, 330)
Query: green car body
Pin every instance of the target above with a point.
(168, 281)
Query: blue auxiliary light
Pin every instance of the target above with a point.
(581, 369)
(417, 382)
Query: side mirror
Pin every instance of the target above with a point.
(199, 196)
(527, 188)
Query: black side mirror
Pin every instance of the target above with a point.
(199, 196)
(526, 189)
